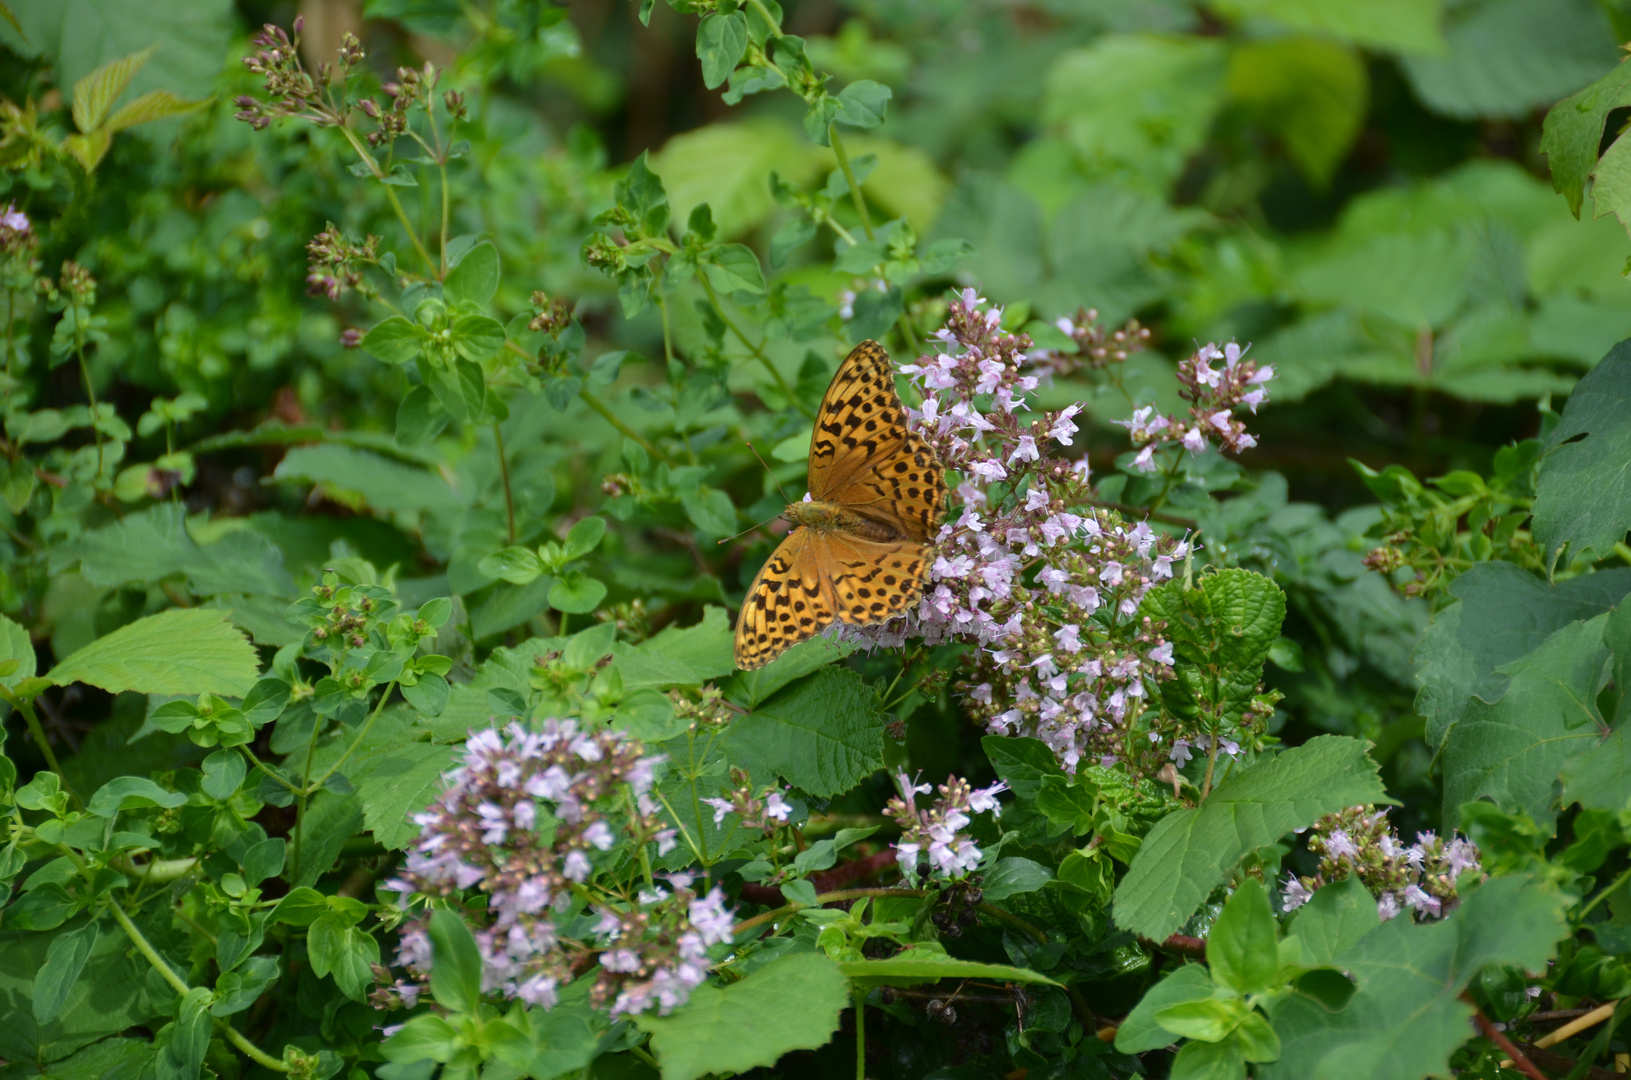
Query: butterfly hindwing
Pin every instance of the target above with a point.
(789, 601)
(874, 582)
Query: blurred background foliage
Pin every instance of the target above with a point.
(1354, 186)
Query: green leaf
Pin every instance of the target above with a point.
(1583, 493)
(822, 734)
(733, 268)
(1209, 1061)
(420, 417)
(1243, 947)
(185, 651)
(421, 1038)
(517, 565)
(1012, 876)
(1338, 916)
(1137, 104)
(1573, 132)
(397, 784)
(641, 193)
(721, 42)
(863, 104)
(1512, 750)
(109, 996)
(330, 820)
(64, 961)
(1505, 613)
(474, 280)
(1221, 631)
(724, 165)
(346, 952)
(1022, 763)
(1140, 1033)
(157, 544)
(1507, 58)
(95, 93)
(223, 774)
(299, 907)
(386, 485)
(789, 1004)
(915, 966)
(1406, 1018)
(238, 989)
(1311, 92)
(151, 106)
(1404, 26)
(395, 340)
(455, 975)
(711, 511)
(576, 594)
(131, 793)
(1210, 1020)
(584, 537)
(1190, 852)
(478, 337)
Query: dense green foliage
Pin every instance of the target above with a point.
(376, 435)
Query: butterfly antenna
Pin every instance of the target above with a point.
(750, 528)
(773, 479)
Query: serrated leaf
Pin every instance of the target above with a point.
(95, 93)
(789, 1004)
(1406, 1017)
(1573, 132)
(1512, 750)
(822, 733)
(1583, 492)
(1221, 630)
(1404, 26)
(185, 651)
(89, 150)
(397, 784)
(156, 544)
(385, 484)
(1190, 851)
(153, 105)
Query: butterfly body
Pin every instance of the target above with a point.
(863, 541)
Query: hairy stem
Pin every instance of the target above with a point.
(849, 177)
(504, 472)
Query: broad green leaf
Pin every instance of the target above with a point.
(386, 485)
(1403, 26)
(420, 417)
(642, 194)
(1190, 852)
(724, 165)
(131, 793)
(184, 651)
(822, 733)
(1583, 493)
(109, 996)
(346, 952)
(64, 961)
(1135, 104)
(863, 104)
(397, 784)
(1512, 750)
(475, 279)
(721, 42)
(1573, 132)
(156, 544)
(907, 969)
(1221, 631)
(1506, 58)
(238, 989)
(395, 340)
(733, 268)
(1210, 1020)
(576, 594)
(299, 907)
(1505, 613)
(1022, 763)
(330, 820)
(1406, 1018)
(584, 537)
(1311, 92)
(95, 93)
(789, 1004)
(153, 105)
(1333, 921)
(455, 976)
(711, 511)
(478, 337)
(1014, 875)
(15, 645)
(703, 649)
(1417, 278)
(1140, 1033)
(1243, 947)
(1209, 1061)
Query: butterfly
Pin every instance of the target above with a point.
(862, 545)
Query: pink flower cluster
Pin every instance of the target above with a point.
(529, 817)
(936, 833)
(1047, 585)
(1360, 842)
(1214, 394)
(766, 810)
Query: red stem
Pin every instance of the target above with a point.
(825, 881)
(1498, 1037)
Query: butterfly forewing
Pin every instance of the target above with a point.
(861, 420)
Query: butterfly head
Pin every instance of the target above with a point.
(813, 513)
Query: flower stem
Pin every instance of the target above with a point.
(313, 787)
(757, 350)
(167, 973)
(390, 196)
(849, 177)
(504, 472)
(26, 707)
(860, 1033)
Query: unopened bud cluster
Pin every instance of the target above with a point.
(334, 262)
(1360, 842)
(1096, 347)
